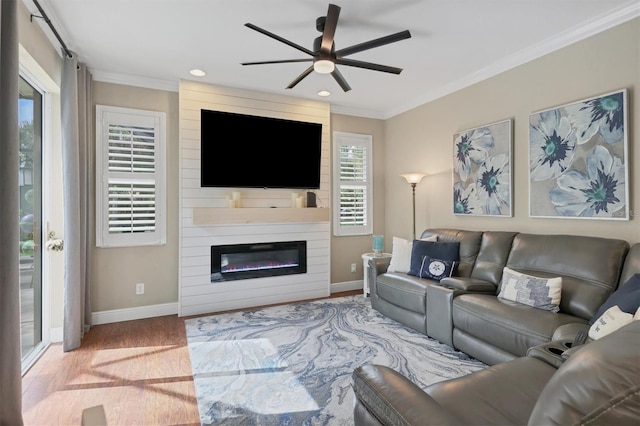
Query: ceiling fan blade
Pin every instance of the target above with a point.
(402, 35)
(284, 61)
(300, 77)
(340, 79)
(330, 25)
(280, 39)
(368, 66)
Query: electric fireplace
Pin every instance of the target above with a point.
(243, 261)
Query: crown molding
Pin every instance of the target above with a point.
(357, 112)
(545, 47)
(134, 80)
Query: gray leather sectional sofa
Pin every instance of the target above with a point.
(536, 375)
(598, 384)
(465, 312)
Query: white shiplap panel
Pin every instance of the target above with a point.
(191, 174)
(191, 153)
(252, 287)
(197, 293)
(261, 232)
(199, 307)
(228, 290)
(196, 260)
(190, 137)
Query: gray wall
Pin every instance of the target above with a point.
(115, 271)
(422, 139)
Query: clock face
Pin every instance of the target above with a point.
(437, 268)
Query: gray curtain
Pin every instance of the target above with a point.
(10, 363)
(77, 155)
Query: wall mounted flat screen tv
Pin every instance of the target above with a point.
(248, 151)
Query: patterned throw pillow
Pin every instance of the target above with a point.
(626, 297)
(612, 319)
(437, 269)
(401, 254)
(540, 293)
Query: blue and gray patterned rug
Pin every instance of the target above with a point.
(292, 364)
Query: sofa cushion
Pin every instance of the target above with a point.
(589, 266)
(511, 326)
(401, 254)
(626, 297)
(539, 293)
(493, 255)
(444, 251)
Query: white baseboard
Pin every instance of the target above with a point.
(128, 314)
(346, 286)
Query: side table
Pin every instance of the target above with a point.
(365, 268)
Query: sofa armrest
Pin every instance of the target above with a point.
(391, 398)
(376, 266)
(379, 265)
(468, 285)
(569, 331)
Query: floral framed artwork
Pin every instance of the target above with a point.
(482, 170)
(578, 161)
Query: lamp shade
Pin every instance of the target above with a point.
(413, 177)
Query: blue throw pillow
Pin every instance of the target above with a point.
(437, 269)
(626, 297)
(445, 251)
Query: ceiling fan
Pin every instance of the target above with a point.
(325, 57)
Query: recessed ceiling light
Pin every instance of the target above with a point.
(198, 73)
(324, 93)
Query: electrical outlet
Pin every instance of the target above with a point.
(353, 267)
(139, 288)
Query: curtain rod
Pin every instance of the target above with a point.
(48, 21)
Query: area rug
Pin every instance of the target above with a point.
(292, 364)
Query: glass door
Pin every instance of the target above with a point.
(30, 181)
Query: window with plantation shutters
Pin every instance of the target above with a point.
(352, 190)
(130, 177)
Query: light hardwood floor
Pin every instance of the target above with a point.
(138, 370)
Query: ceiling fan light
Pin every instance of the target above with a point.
(324, 66)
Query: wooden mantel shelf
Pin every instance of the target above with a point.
(221, 216)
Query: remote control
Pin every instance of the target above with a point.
(580, 338)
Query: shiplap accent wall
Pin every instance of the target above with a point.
(197, 294)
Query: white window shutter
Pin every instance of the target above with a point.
(352, 184)
(130, 165)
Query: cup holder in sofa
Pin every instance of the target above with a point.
(556, 351)
(551, 352)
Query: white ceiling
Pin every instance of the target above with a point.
(455, 43)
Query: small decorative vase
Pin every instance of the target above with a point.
(378, 244)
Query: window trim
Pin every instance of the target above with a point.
(352, 139)
(106, 115)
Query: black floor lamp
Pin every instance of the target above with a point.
(413, 179)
